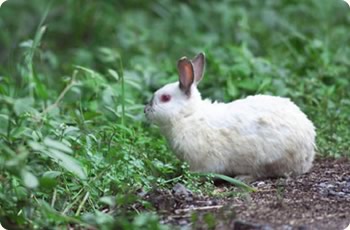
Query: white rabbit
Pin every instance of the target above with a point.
(256, 137)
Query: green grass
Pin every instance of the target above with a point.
(74, 76)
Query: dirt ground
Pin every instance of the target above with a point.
(319, 199)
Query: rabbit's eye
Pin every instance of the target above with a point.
(165, 98)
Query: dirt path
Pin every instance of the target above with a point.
(317, 200)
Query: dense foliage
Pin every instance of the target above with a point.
(74, 145)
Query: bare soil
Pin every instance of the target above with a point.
(319, 199)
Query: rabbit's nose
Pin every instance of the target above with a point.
(149, 106)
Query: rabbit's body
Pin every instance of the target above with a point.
(259, 136)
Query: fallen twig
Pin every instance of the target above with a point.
(204, 208)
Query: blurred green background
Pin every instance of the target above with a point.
(74, 75)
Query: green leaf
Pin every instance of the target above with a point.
(57, 145)
(114, 74)
(48, 179)
(29, 180)
(36, 146)
(26, 44)
(89, 115)
(231, 88)
(18, 158)
(40, 89)
(231, 180)
(248, 84)
(109, 200)
(23, 105)
(68, 162)
(51, 174)
(18, 131)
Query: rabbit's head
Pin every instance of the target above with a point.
(178, 98)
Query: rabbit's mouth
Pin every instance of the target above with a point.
(150, 115)
(149, 107)
(149, 111)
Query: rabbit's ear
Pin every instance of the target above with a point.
(198, 66)
(186, 75)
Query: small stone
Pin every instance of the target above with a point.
(260, 184)
(183, 222)
(341, 193)
(287, 227)
(181, 191)
(332, 193)
(330, 186)
(322, 185)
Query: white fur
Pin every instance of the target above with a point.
(259, 136)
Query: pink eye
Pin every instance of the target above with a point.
(165, 98)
